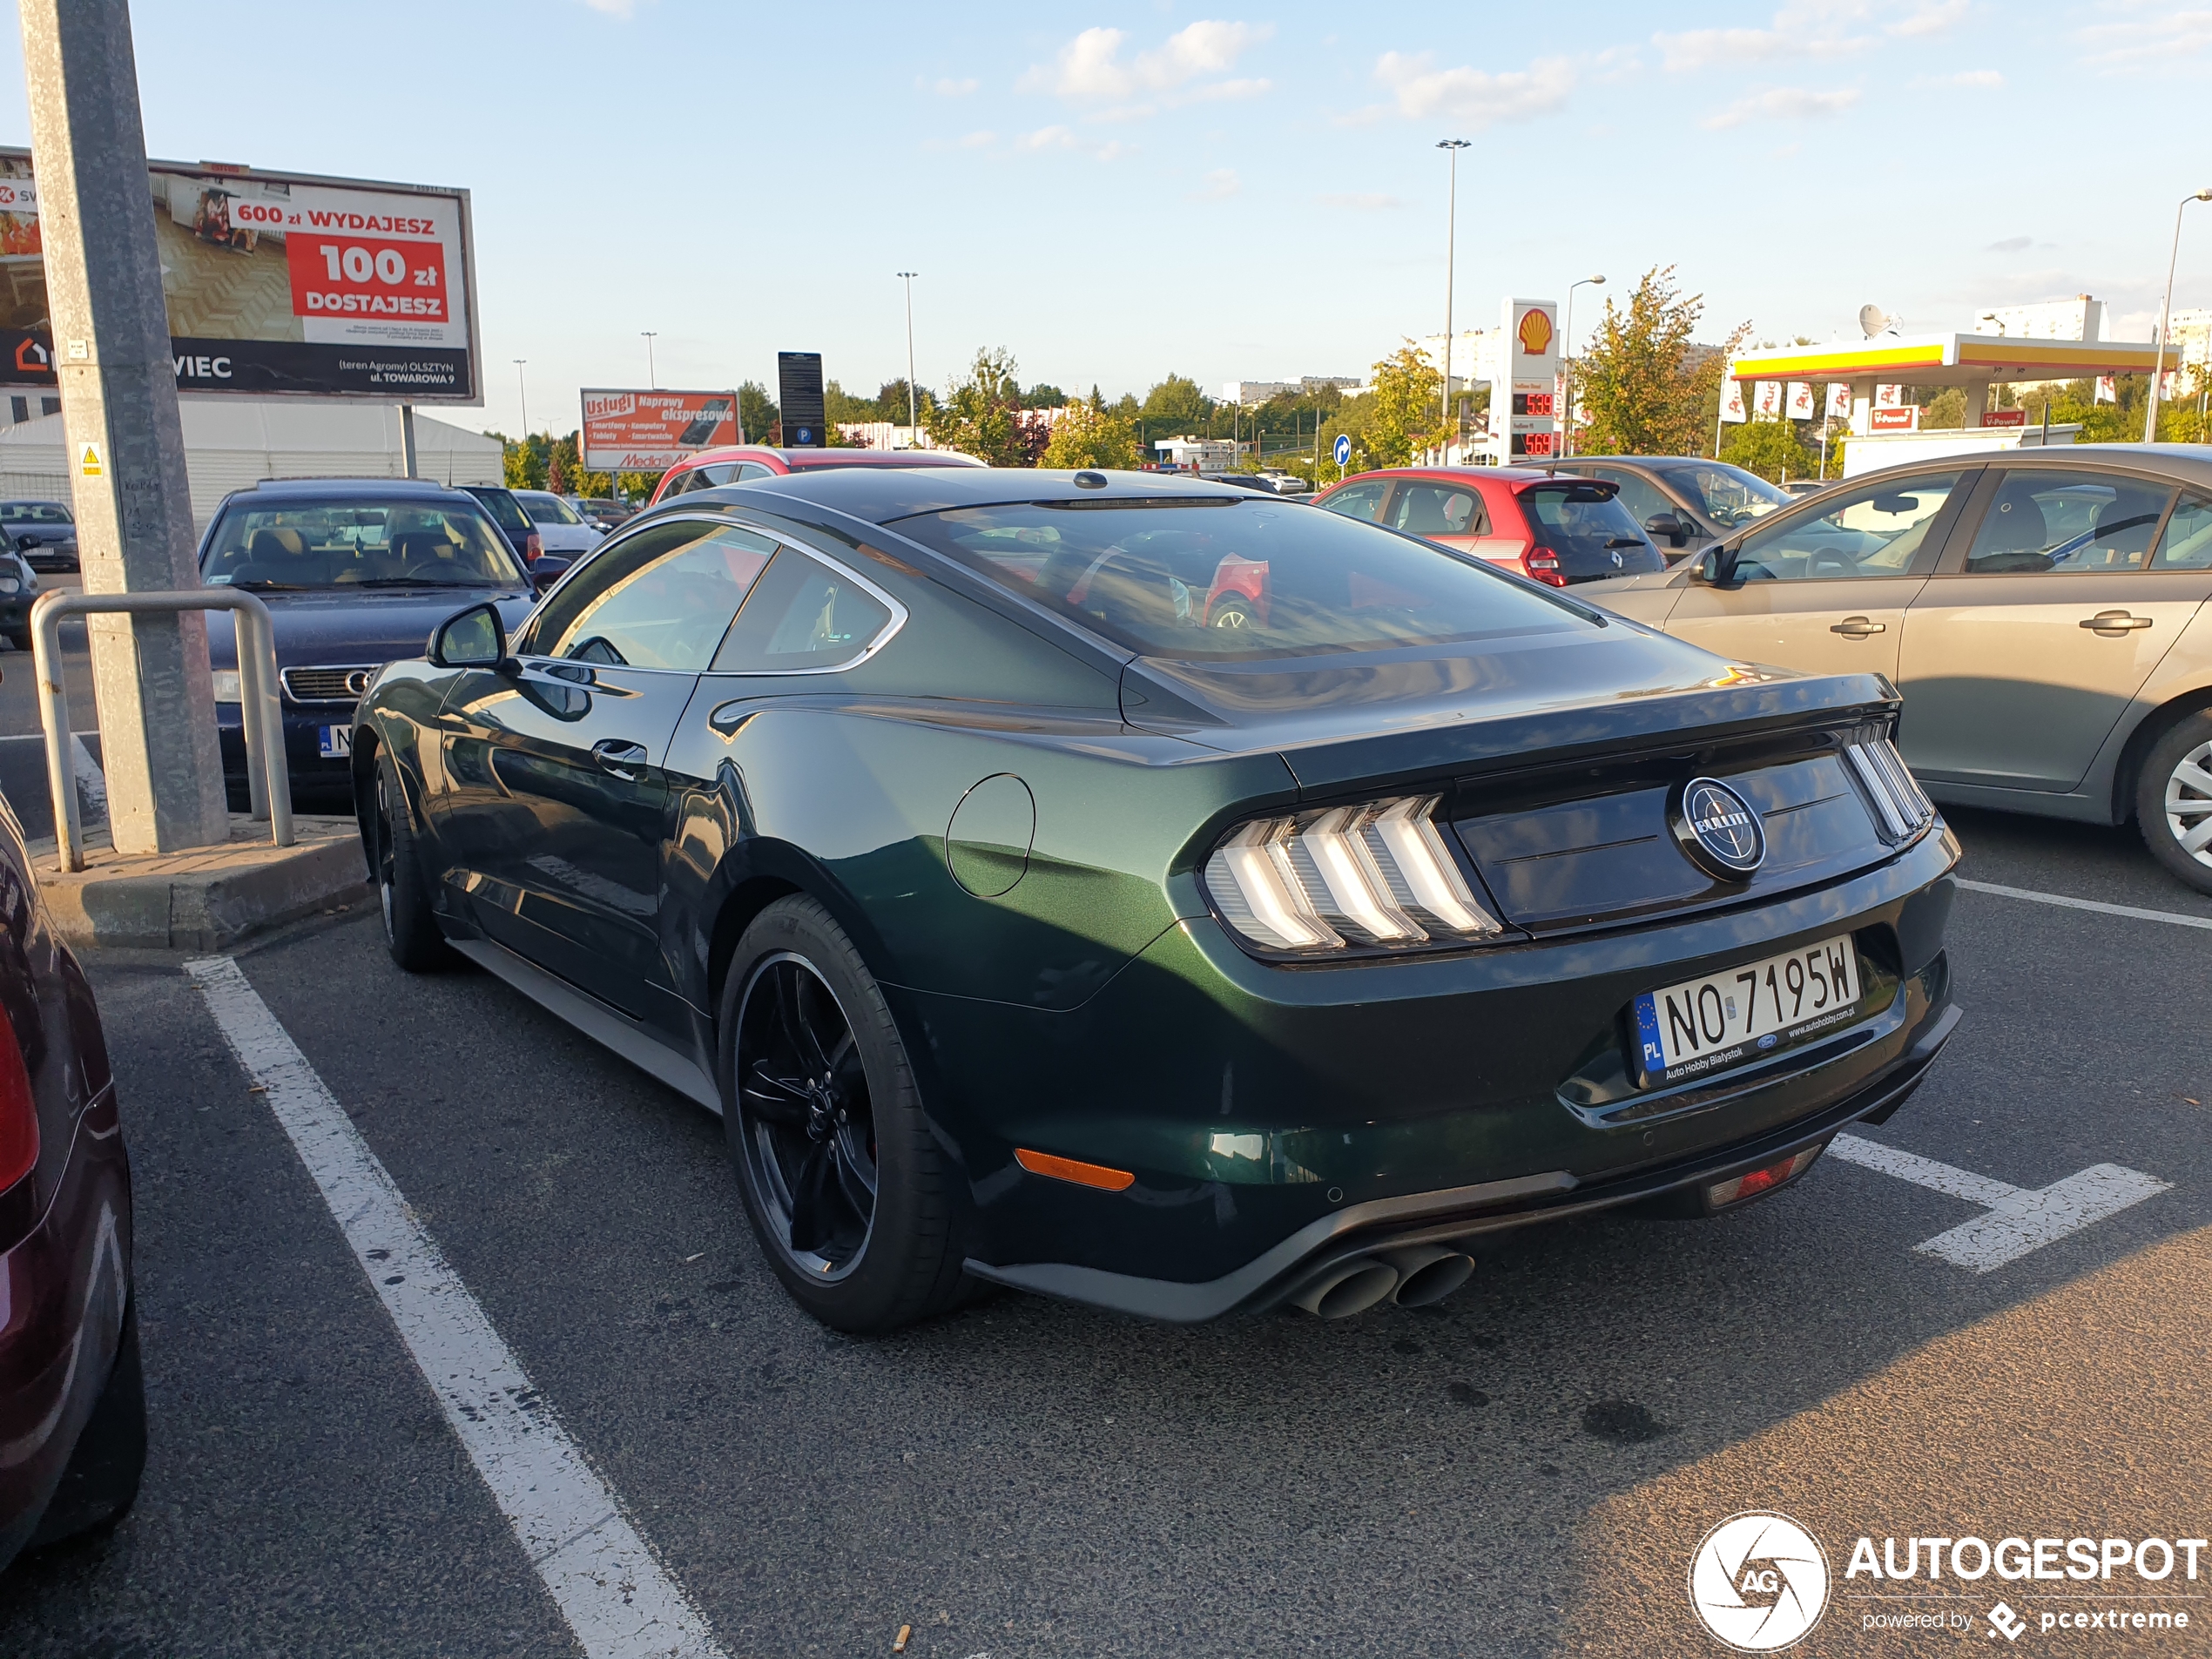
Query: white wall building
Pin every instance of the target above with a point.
(1200, 454)
(1467, 356)
(231, 443)
(2080, 317)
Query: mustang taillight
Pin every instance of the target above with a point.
(19, 1111)
(1374, 875)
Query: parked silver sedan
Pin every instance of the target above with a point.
(2043, 612)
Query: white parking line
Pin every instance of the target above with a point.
(2173, 916)
(2018, 1220)
(616, 1596)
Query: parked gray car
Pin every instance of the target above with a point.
(2043, 610)
(1684, 502)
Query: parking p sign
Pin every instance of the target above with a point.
(1343, 448)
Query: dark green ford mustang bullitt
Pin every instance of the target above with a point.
(1159, 895)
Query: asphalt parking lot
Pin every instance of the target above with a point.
(1524, 1469)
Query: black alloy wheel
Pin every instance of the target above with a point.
(856, 1202)
(411, 930)
(809, 1131)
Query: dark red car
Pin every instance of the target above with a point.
(1553, 527)
(739, 462)
(72, 1411)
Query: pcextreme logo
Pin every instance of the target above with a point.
(1759, 1582)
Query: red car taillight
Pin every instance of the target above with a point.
(1542, 564)
(18, 1112)
(533, 546)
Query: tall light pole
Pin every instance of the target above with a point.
(1566, 363)
(914, 402)
(653, 379)
(2166, 313)
(523, 389)
(1450, 146)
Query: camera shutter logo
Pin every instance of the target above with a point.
(1759, 1582)
(1718, 829)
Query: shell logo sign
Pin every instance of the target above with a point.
(1535, 332)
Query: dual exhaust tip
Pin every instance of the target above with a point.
(1412, 1277)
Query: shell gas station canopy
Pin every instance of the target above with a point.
(1973, 362)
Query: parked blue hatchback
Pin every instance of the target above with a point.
(356, 572)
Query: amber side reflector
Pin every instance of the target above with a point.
(1084, 1174)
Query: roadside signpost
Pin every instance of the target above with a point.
(799, 380)
(1343, 449)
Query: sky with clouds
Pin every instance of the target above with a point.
(1222, 190)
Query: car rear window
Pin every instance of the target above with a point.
(506, 512)
(34, 512)
(1579, 518)
(336, 542)
(550, 510)
(1235, 578)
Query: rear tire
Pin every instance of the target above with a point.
(410, 928)
(2174, 800)
(854, 1204)
(101, 1482)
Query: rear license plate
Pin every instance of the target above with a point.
(337, 742)
(1742, 1013)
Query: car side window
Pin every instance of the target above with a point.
(1358, 501)
(803, 614)
(2067, 524)
(2187, 544)
(1440, 509)
(1639, 496)
(748, 470)
(663, 598)
(1872, 531)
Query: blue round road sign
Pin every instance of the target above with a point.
(1343, 448)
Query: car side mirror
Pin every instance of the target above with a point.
(1713, 568)
(1667, 524)
(471, 639)
(546, 571)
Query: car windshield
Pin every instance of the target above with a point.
(550, 510)
(335, 542)
(1235, 578)
(1728, 495)
(34, 512)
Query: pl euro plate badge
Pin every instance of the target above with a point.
(1744, 1013)
(337, 742)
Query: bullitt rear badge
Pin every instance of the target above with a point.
(1718, 830)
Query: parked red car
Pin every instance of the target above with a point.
(1551, 526)
(72, 1411)
(738, 462)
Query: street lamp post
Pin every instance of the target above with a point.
(914, 402)
(1567, 365)
(2166, 314)
(523, 387)
(652, 379)
(1452, 147)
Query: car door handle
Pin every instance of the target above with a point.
(617, 755)
(2113, 622)
(1859, 628)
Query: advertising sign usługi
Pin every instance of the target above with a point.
(278, 283)
(653, 431)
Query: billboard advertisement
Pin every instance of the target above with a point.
(653, 431)
(277, 283)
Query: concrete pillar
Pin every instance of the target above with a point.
(1977, 402)
(126, 447)
(1862, 406)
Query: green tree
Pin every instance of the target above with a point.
(758, 415)
(1090, 435)
(1400, 416)
(1772, 450)
(982, 415)
(1176, 409)
(1045, 396)
(1643, 385)
(839, 407)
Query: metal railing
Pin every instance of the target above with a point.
(268, 779)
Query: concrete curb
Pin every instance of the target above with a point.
(205, 898)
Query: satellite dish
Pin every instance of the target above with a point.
(1873, 320)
